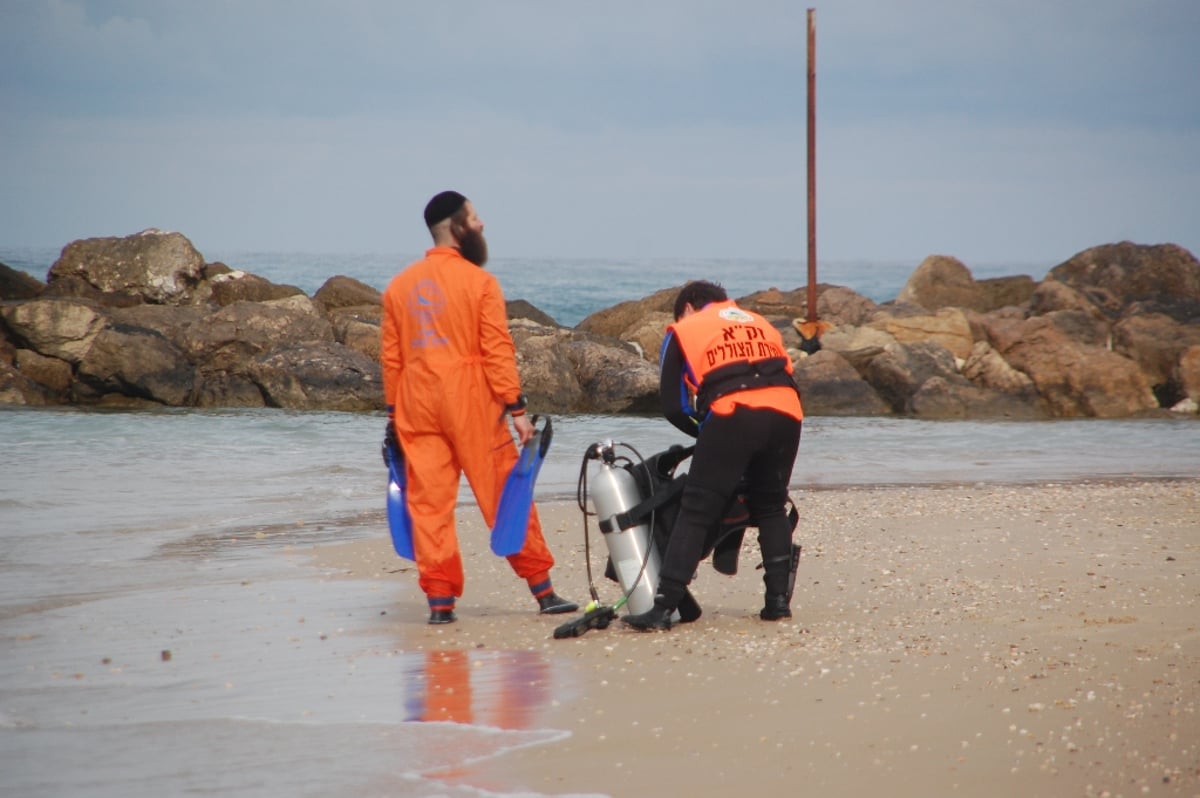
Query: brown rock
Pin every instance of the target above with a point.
(612, 379)
(1075, 379)
(136, 362)
(1052, 295)
(229, 338)
(358, 328)
(948, 327)
(50, 372)
(1188, 373)
(154, 266)
(521, 309)
(1116, 275)
(620, 317)
(318, 375)
(987, 369)
(943, 398)
(941, 282)
(222, 389)
(346, 292)
(901, 369)
(842, 306)
(56, 328)
(239, 286)
(16, 284)
(831, 386)
(1004, 292)
(547, 373)
(648, 335)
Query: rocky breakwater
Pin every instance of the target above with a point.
(144, 320)
(1112, 332)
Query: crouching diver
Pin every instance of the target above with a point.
(725, 378)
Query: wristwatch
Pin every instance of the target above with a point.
(517, 408)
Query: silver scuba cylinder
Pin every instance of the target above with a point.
(614, 492)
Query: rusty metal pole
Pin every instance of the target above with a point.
(812, 166)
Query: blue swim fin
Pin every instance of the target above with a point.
(516, 500)
(399, 521)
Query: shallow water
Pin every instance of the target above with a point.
(158, 636)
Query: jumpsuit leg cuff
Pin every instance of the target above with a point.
(441, 610)
(549, 602)
(540, 584)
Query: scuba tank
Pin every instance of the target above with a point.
(635, 559)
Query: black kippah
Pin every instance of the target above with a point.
(443, 206)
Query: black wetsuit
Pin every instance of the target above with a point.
(755, 443)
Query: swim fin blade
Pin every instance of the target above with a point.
(399, 520)
(516, 500)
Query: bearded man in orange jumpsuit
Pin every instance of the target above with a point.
(450, 380)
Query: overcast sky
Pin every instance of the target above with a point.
(1003, 131)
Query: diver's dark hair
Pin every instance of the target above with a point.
(698, 294)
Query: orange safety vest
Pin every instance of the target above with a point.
(736, 357)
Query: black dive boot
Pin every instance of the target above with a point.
(657, 618)
(775, 608)
(554, 604)
(779, 580)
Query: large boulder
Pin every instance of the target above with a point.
(522, 309)
(830, 386)
(359, 328)
(152, 266)
(1052, 295)
(346, 292)
(901, 369)
(841, 306)
(239, 286)
(987, 369)
(648, 334)
(1156, 342)
(945, 398)
(613, 379)
(547, 372)
(848, 338)
(135, 362)
(773, 303)
(50, 373)
(1115, 276)
(571, 371)
(1187, 373)
(225, 389)
(612, 322)
(941, 282)
(15, 284)
(234, 335)
(319, 375)
(947, 326)
(1073, 378)
(1006, 292)
(945, 282)
(53, 327)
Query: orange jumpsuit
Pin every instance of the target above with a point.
(449, 372)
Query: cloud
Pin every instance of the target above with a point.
(1018, 130)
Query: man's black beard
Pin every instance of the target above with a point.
(473, 247)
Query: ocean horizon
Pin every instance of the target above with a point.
(571, 288)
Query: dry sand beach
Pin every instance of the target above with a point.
(983, 640)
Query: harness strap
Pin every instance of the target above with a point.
(744, 376)
(641, 511)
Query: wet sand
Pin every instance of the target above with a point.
(962, 640)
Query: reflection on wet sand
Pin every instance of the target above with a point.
(502, 689)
